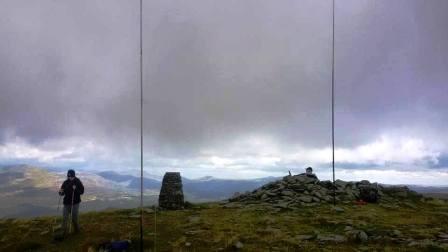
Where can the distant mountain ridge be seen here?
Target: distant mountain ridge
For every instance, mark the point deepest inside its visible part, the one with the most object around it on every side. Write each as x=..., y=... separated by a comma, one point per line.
x=31, y=191
x=207, y=188
x=24, y=186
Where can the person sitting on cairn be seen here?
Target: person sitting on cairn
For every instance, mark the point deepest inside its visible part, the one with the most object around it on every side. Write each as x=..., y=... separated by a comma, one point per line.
x=309, y=173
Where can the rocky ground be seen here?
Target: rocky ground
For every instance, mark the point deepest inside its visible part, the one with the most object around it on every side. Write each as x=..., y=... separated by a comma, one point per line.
x=276, y=217
x=253, y=227
x=302, y=191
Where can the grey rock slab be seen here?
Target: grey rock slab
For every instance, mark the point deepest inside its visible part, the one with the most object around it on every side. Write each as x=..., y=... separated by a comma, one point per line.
x=396, y=233
x=338, y=209
x=194, y=232
x=348, y=228
x=194, y=219
x=306, y=199
x=304, y=237
x=442, y=236
x=362, y=236
x=44, y=232
x=238, y=245
x=331, y=238
x=287, y=193
x=282, y=205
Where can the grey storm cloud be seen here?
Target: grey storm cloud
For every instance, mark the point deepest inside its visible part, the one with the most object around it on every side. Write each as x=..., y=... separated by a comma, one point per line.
x=391, y=66
x=215, y=71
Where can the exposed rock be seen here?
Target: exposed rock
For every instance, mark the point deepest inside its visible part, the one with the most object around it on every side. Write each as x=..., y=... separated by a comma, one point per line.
x=305, y=198
x=148, y=210
x=44, y=232
x=396, y=233
x=301, y=191
x=233, y=205
x=269, y=230
x=348, y=228
x=193, y=232
x=304, y=237
x=236, y=194
x=364, y=248
x=238, y=245
x=171, y=194
x=399, y=192
x=442, y=236
x=357, y=235
x=331, y=238
x=317, y=194
x=264, y=196
x=281, y=204
x=368, y=192
x=340, y=184
x=287, y=193
x=427, y=245
x=194, y=219
x=389, y=206
x=338, y=209
x=327, y=184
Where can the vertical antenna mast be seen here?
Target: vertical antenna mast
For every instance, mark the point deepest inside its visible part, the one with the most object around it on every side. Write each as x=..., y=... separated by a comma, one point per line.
x=332, y=108
x=141, y=125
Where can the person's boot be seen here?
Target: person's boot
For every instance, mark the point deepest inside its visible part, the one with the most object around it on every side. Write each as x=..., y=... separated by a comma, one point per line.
x=76, y=229
x=59, y=235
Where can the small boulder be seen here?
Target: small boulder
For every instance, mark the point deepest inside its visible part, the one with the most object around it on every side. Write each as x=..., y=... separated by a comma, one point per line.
x=304, y=237
x=45, y=232
x=362, y=236
x=368, y=192
x=306, y=199
x=331, y=238
x=396, y=233
x=338, y=209
x=238, y=245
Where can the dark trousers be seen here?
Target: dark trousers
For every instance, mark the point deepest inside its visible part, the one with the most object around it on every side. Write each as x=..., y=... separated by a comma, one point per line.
x=66, y=216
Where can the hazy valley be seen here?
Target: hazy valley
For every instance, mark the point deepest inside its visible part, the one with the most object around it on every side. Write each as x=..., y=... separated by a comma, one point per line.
x=32, y=191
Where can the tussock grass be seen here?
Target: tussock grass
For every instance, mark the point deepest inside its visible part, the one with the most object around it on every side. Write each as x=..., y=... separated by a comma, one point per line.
x=210, y=227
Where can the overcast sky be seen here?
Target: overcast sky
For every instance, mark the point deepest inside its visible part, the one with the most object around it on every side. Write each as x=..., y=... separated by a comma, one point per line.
x=234, y=89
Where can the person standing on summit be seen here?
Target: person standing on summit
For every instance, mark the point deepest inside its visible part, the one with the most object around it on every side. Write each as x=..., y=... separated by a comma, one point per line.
x=309, y=173
x=71, y=189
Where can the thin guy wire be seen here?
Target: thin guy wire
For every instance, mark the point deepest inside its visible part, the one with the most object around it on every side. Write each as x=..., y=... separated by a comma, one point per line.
x=332, y=109
x=141, y=126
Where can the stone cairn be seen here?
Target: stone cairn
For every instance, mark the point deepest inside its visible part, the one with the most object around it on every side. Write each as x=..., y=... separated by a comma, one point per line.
x=300, y=190
x=171, y=194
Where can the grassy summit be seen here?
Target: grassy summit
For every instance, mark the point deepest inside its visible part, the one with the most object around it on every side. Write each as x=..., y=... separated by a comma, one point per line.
x=418, y=226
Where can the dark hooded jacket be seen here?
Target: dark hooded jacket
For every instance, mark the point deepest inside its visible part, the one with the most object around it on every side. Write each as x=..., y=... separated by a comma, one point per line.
x=312, y=175
x=68, y=191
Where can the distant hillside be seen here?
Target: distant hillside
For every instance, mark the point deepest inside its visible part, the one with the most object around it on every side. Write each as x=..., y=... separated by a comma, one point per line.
x=440, y=192
x=196, y=190
x=32, y=191
x=130, y=181
x=429, y=189
x=218, y=189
